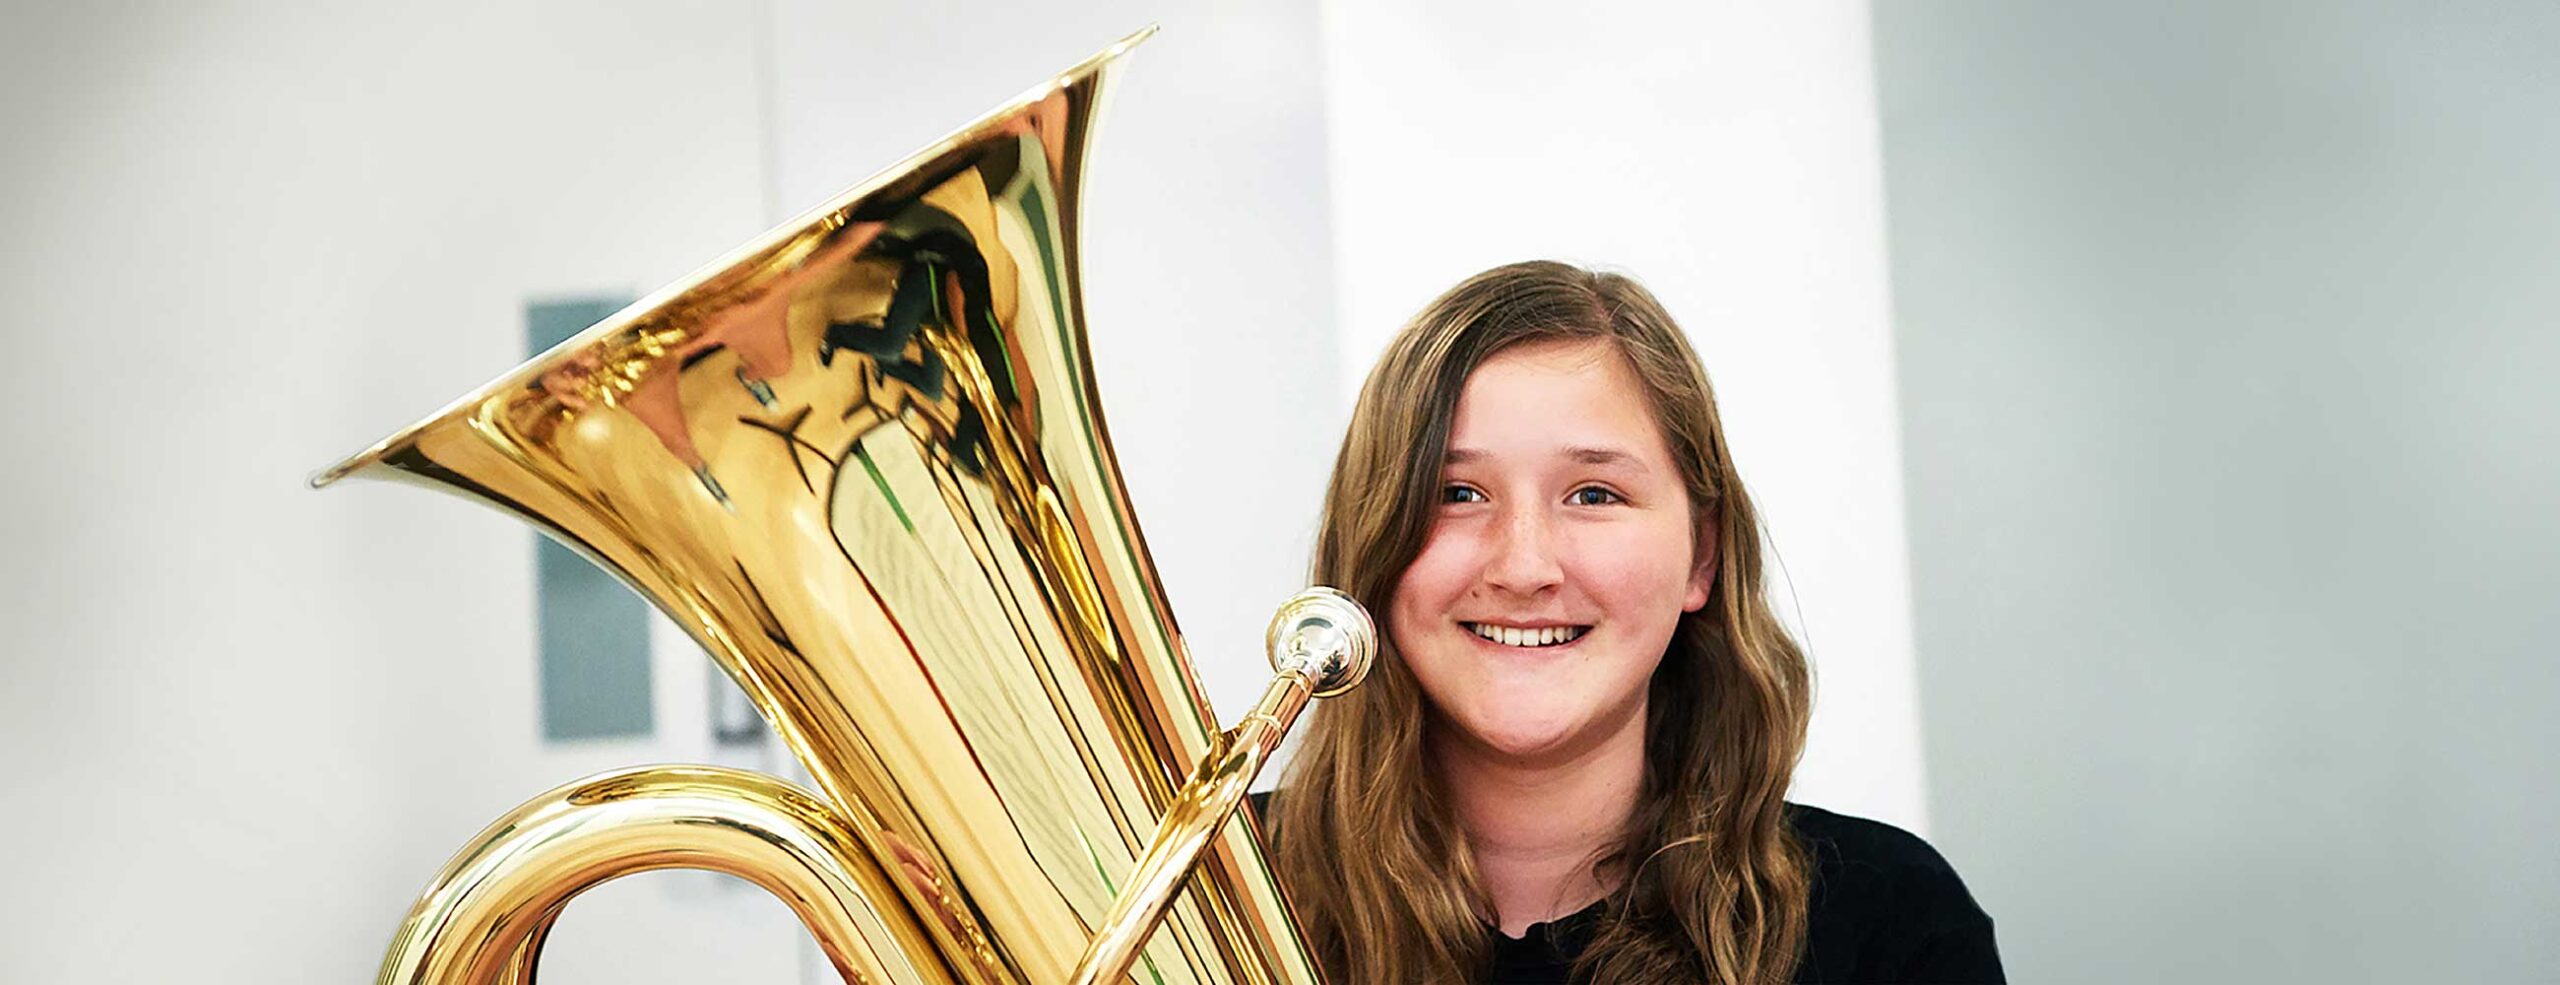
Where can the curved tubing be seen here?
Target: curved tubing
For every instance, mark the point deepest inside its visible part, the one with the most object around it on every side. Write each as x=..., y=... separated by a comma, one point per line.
x=482, y=920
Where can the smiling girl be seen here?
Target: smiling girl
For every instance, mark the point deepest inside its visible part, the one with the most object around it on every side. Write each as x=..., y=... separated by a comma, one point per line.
x=1570, y=762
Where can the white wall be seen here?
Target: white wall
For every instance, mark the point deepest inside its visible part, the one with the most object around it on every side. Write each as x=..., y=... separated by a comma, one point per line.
x=246, y=721
x=1725, y=154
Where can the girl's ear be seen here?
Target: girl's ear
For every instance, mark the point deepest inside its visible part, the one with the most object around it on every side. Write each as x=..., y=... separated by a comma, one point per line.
x=1702, y=577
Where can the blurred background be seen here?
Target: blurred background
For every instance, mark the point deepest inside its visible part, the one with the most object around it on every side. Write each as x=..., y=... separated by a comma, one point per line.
x=2154, y=406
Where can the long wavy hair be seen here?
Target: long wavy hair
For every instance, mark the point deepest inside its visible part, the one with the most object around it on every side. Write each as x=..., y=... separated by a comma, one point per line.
x=1712, y=884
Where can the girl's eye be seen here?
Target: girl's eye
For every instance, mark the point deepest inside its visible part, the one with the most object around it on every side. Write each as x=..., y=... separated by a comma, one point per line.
x=1460, y=494
x=1593, y=496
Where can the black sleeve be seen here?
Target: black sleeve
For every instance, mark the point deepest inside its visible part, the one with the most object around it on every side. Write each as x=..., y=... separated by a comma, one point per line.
x=1955, y=955
x=1943, y=938
x=1887, y=908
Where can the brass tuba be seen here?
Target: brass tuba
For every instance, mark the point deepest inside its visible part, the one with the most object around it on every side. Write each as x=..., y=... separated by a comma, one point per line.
x=862, y=461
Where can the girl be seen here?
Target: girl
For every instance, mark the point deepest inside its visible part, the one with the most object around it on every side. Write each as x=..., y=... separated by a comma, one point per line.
x=1571, y=758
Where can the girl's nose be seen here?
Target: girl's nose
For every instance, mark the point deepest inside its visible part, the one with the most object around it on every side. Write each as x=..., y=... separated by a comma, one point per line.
x=1524, y=558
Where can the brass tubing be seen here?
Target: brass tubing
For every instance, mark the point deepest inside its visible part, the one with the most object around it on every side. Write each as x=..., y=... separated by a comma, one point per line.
x=1206, y=803
x=502, y=893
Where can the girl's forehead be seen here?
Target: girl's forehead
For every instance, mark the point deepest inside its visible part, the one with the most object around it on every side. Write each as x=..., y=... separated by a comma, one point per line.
x=1550, y=379
x=1565, y=398
x=1558, y=364
x=1561, y=352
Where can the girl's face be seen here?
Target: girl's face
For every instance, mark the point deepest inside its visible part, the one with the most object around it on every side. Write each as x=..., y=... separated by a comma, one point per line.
x=1561, y=558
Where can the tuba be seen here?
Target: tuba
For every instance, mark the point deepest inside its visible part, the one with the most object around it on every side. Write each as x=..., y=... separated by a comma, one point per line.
x=862, y=461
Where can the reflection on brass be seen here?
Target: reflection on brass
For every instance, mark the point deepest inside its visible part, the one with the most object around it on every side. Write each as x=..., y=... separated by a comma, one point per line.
x=862, y=461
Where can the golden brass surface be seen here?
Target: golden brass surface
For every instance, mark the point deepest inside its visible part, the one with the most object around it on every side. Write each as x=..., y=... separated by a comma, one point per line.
x=862, y=461
x=517, y=874
x=1321, y=643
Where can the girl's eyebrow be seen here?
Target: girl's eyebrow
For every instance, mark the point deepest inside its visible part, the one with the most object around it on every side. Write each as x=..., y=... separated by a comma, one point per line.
x=1602, y=456
x=1583, y=454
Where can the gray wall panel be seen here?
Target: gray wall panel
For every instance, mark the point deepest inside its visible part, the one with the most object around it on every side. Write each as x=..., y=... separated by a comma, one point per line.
x=2228, y=367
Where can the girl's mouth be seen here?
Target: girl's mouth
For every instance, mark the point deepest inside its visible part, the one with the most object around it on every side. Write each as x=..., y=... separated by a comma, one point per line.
x=1529, y=638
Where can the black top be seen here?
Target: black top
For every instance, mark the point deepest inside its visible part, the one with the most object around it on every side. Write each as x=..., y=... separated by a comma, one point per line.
x=1886, y=907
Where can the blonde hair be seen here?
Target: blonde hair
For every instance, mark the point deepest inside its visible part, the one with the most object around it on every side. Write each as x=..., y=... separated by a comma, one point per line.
x=1366, y=842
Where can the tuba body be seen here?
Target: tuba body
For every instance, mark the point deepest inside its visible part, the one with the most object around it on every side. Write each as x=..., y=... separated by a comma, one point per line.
x=862, y=461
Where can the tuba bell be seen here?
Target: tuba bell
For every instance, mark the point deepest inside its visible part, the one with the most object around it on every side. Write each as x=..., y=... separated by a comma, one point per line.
x=862, y=461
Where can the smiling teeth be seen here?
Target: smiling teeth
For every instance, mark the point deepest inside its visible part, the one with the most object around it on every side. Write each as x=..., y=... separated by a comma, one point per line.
x=1546, y=636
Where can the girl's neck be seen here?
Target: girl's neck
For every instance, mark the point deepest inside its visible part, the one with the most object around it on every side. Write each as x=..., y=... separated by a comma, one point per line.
x=1536, y=828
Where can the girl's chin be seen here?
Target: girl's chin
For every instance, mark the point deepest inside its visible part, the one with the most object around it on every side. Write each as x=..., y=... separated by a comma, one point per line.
x=1511, y=736
x=1529, y=718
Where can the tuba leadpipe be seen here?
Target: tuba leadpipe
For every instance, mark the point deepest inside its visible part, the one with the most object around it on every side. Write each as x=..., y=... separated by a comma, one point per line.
x=862, y=461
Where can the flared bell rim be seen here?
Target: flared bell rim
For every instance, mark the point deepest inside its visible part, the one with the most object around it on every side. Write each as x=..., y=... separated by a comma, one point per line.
x=531, y=370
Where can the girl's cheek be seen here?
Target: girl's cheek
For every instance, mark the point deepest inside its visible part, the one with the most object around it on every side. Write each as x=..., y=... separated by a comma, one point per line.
x=1628, y=556
x=1448, y=550
x=1432, y=577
